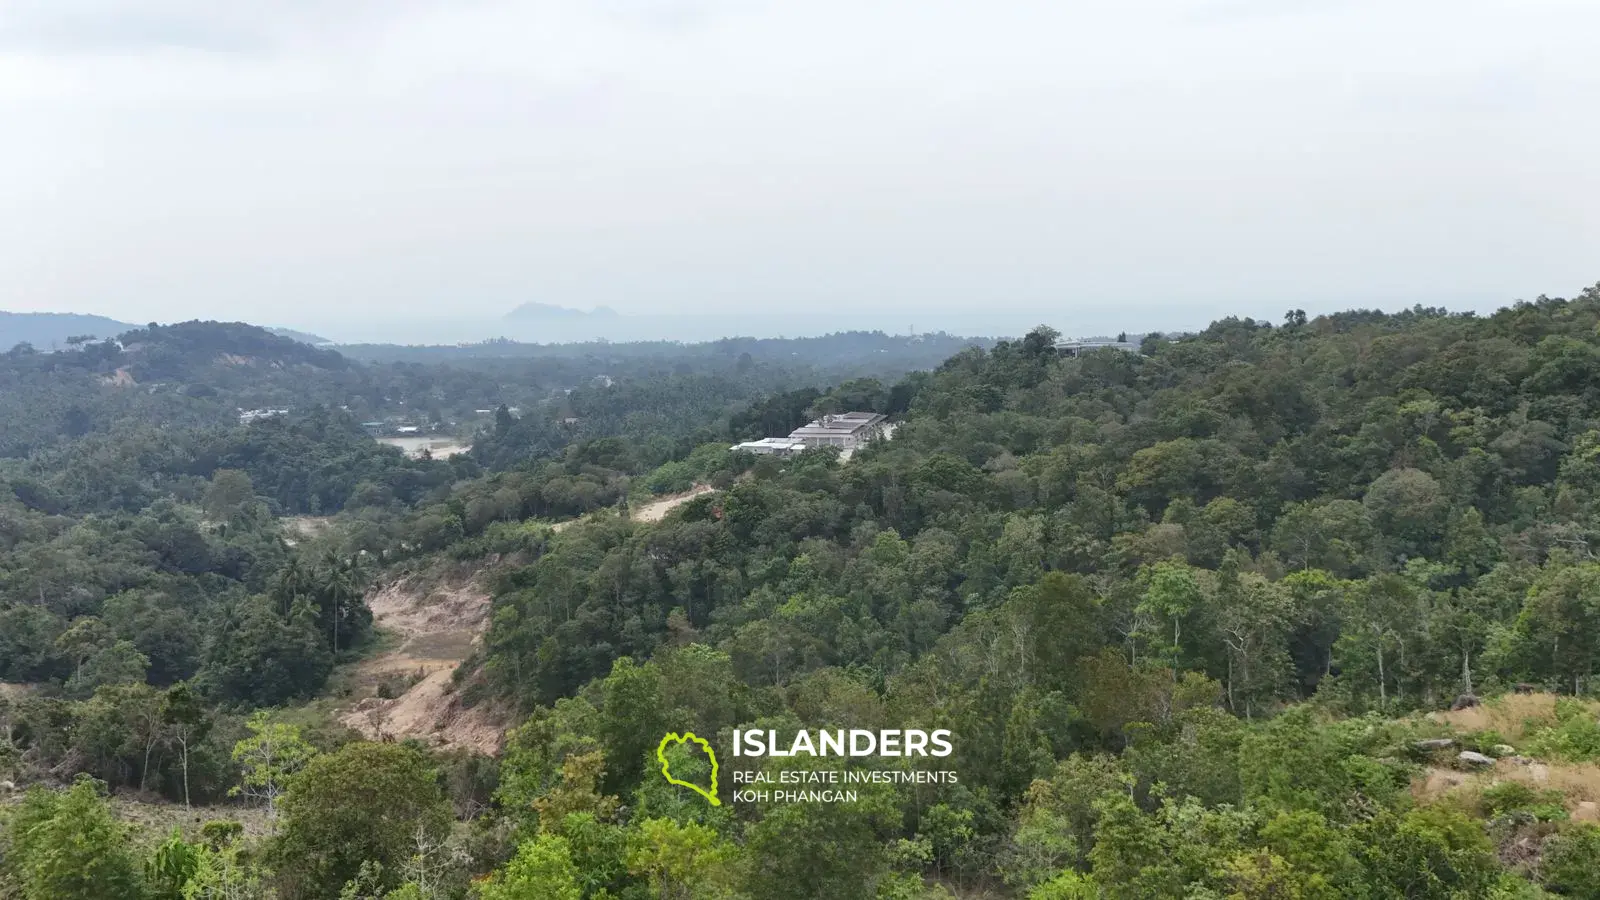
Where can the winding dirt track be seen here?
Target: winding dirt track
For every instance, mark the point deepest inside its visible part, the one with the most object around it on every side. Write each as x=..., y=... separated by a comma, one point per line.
x=655, y=512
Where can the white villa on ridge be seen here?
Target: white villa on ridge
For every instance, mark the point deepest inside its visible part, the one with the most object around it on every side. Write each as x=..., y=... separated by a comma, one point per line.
x=847, y=431
x=1075, y=348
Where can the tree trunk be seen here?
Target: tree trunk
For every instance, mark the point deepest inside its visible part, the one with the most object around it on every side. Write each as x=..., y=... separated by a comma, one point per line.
x=1399, y=690
x=1383, y=691
x=1466, y=669
x=1231, y=708
x=1175, y=652
x=1249, y=704
x=184, y=742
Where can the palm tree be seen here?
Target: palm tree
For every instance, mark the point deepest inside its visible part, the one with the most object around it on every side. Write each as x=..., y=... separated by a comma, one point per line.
x=292, y=583
x=341, y=583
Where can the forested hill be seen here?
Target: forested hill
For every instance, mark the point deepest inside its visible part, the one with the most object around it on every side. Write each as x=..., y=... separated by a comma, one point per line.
x=1194, y=618
x=203, y=374
x=189, y=374
x=1414, y=453
x=48, y=331
x=1154, y=556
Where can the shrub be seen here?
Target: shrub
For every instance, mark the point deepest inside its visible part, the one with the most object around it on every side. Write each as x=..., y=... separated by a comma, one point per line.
x=1572, y=863
x=1514, y=796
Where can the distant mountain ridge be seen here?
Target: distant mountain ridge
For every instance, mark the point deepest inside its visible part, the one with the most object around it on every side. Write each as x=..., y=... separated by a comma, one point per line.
x=48, y=331
x=546, y=312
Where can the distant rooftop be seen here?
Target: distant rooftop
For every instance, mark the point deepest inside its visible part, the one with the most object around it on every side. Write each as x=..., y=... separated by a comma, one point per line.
x=846, y=431
x=1074, y=347
x=771, y=445
x=840, y=424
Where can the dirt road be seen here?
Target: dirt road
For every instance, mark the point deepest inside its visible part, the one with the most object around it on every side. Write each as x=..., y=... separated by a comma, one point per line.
x=657, y=510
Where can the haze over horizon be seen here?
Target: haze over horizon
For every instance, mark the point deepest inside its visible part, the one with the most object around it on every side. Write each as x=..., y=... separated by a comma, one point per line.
x=414, y=170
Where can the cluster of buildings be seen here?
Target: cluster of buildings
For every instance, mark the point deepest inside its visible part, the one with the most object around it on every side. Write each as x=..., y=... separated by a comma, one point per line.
x=87, y=342
x=847, y=431
x=246, y=416
x=393, y=427
x=1076, y=347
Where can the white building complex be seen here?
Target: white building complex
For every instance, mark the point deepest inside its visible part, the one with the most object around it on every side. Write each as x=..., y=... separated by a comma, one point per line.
x=771, y=447
x=246, y=416
x=1075, y=348
x=846, y=431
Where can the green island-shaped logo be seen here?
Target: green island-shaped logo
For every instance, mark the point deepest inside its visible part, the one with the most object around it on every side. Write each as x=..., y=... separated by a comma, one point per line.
x=666, y=770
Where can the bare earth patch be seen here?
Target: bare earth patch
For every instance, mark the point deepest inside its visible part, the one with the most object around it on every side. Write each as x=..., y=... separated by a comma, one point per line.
x=656, y=511
x=439, y=619
x=120, y=378
x=16, y=690
x=651, y=512
x=419, y=605
x=306, y=527
x=437, y=447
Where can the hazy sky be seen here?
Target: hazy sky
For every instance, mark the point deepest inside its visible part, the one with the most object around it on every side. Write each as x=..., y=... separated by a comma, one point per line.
x=295, y=161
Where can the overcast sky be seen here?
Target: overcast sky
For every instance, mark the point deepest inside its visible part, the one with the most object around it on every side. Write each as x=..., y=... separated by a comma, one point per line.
x=290, y=161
